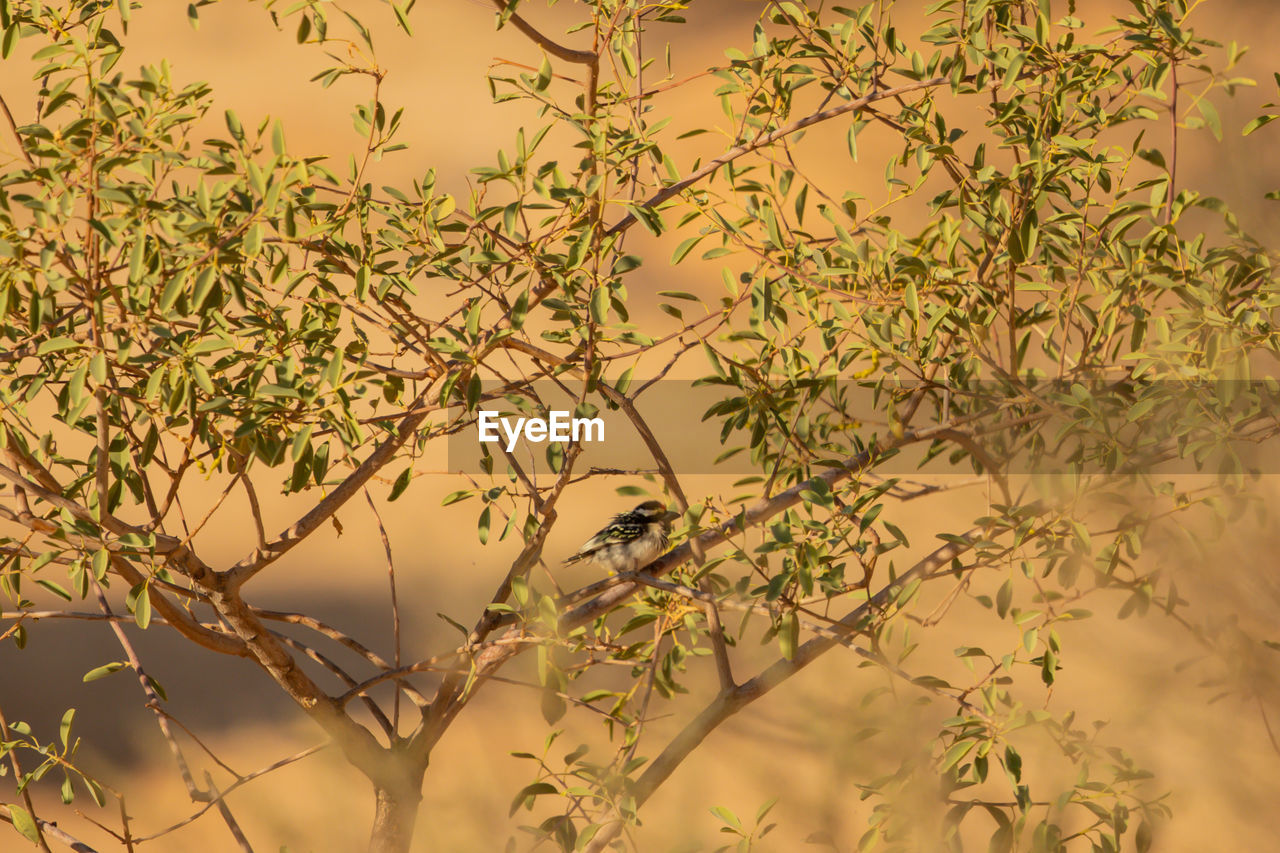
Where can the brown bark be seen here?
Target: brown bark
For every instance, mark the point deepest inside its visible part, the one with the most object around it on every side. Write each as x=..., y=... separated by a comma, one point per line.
x=394, y=818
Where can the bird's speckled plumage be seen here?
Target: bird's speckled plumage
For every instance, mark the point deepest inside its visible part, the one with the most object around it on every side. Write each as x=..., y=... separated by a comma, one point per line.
x=631, y=540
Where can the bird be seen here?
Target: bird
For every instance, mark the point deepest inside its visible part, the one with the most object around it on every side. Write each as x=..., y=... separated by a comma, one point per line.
x=633, y=539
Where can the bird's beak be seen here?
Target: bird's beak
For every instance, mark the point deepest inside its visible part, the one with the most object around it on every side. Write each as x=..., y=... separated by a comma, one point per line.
x=670, y=515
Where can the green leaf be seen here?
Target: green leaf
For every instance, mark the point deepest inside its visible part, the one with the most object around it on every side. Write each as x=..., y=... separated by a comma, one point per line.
x=544, y=74
x=788, y=634
x=159, y=688
x=23, y=822
x=1013, y=764
x=727, y=817
x=64, y=728
x=482, y=526
x=526, y=795
x=1004, y=598
x=1211, y=118
x=956, y=752
x=1048, y=667
x=684, y=249
x=173, y=289
x=401, y=483
x=233, y=124
x=57, y=345
x=473, y=318
x=201, y=375
x=269, y=390
x=600, y=304
x=1142, y=838
x=12, y=33
x=54, y=588
x=553, y=706
x=100, y=559
x=104, y=670
x=142, y=607
x=1259, y=122
x=98, y=368
x=402, y=17
x=95, y=790
x=520, y=310
x=454, y=497
x=253, y=239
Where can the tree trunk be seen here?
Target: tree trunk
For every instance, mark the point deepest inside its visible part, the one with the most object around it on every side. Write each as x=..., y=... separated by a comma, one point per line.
x=397, y=810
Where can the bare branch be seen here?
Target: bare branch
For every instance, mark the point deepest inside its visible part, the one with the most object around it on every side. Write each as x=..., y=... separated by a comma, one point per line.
x=337, y=636
x=242, y=780
x=328, y=663
x=223, y=809
x=13, y=128
x=559, y=51
x=153, y=698
x=395, y=604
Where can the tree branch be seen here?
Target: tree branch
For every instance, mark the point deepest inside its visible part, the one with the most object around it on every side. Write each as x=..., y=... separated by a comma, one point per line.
x=240, y=780
x=50, y=829
x=171, y=547
x=13, y=127
x=324, y=510
x=729, y=702
x=568, y=54
x=765, y=139
x=180, y=618
x=18, y=781
x=493, y=656
x=153, y=698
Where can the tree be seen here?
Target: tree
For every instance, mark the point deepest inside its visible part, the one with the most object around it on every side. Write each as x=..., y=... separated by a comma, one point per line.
x=1051, y=309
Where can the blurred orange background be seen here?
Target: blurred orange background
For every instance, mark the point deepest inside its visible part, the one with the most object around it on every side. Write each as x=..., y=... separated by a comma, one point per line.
x=798, y=744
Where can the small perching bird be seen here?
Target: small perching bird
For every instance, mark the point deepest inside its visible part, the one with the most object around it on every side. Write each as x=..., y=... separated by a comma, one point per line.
x=631, y=541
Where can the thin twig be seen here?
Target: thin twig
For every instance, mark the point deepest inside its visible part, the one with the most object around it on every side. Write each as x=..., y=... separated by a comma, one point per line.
x=339, y=637
x=323, y=511
x=153, y=698
x=223, y=809
x=19, y=781
x=395, y=604
x=13, y=127
x=243, y=780
x=765, y=139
